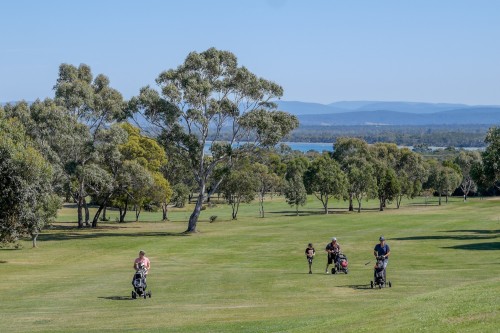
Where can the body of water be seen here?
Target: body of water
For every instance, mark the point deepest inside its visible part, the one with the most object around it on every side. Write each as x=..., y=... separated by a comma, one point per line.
x=324, y=146
x=300, y=146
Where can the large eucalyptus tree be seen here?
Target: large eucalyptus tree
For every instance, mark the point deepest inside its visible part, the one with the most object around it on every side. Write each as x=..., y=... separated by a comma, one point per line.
x=93, y=104
x=205, y=96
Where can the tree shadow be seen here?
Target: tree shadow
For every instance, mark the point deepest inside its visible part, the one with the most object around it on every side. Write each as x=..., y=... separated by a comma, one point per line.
x=117, y=298
x=292, y=213
x=477, y=231
x=472, y=234
x=357, y=286
x=61, y=227
x=476, y=246
x=461, y=237
x=3, y=262
x=91, y=234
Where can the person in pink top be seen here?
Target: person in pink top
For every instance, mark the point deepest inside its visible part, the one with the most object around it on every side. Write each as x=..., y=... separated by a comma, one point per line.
x=142, y=260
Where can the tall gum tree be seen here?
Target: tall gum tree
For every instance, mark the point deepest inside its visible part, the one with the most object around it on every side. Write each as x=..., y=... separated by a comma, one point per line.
x=93, y=104
x=205, y=96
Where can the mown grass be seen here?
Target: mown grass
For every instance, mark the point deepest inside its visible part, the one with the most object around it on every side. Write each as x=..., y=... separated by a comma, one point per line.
x=250, y=275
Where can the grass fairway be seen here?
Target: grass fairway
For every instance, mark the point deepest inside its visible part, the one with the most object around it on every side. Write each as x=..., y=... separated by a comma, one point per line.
x=250, y=275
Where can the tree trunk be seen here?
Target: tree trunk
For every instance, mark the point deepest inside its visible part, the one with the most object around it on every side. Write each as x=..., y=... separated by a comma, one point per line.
x=439, y=199
x=261, y=207
x=351, y=208
x=193, y=219
x=164, y=209
x=382, y=205
x=325, y=207
x=87, y=213
x=446, y=197
x=359, y=206
x=235, y=211
x=79, y=203
x=33, y=238
x=123, y=212
x=97, y=214
x=80, y=214
x=137, y=213
x=104, y=211
x=399, y=198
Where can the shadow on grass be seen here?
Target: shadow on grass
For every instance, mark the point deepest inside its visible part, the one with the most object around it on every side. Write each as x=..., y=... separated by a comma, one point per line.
x=435, y=237
x=90, y=233
x=357, y=286
x=478, y=231
x=307, y=213
x=3, y=262
x=473, y=234
x=476, y=246
x=117, y=298
x=58, y=227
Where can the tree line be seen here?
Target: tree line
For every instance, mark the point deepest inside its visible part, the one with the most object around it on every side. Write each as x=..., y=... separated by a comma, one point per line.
x=81, y=146
x=432, y=135
x=357, y=171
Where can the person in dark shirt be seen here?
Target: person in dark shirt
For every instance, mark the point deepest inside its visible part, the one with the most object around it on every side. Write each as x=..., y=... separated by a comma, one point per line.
x=382, y=249
x=332, y=249
x=310, y=252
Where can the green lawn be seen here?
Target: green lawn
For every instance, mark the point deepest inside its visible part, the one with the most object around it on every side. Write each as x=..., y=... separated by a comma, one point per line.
x=250, y=275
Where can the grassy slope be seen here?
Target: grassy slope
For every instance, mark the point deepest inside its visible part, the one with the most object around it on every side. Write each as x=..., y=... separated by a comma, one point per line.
x=250, y=275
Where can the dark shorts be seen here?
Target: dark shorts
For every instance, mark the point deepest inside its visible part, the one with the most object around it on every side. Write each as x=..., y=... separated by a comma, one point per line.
x=309, y=259
x=332, y=258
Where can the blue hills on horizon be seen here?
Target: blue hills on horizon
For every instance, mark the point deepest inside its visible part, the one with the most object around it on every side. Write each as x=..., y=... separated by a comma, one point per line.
x=379, y=113
x=348, y=113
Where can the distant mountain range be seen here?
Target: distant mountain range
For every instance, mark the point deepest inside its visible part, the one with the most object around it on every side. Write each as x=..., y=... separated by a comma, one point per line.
x=351, y=113
x=390, y=113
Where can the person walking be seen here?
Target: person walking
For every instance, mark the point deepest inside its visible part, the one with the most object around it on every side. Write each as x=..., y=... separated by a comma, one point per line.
x=310, y=252
x=332, y=249
x=382, y=249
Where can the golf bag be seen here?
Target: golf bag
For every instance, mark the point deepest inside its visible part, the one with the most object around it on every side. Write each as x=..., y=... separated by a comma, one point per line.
x=379, y=274
x=340, y=264
x=139, y=283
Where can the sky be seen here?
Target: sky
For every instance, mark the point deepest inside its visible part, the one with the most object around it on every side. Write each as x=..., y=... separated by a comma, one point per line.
x=323, y=51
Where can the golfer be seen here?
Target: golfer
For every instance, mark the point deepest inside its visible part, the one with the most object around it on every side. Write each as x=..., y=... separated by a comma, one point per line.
x=142, y=259
x=382, y=249
x=332, y=249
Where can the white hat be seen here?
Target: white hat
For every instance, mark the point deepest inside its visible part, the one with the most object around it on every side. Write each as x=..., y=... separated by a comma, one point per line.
x=334, y=239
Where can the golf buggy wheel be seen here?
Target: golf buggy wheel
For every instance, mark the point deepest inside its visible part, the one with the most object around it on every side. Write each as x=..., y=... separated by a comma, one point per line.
x=149, y=294
x=380, y=286
x=134, y=295
x=334, y=271
x=346, y=271
x=390, y=284
x=371, y=284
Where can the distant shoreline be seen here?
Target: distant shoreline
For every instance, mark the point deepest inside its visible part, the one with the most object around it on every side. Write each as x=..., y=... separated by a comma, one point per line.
x=323, y=146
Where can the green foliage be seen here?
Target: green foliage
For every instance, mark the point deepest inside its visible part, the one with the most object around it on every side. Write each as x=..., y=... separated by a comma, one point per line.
x=491, y=157
x=419, y=137
x=207, y=92
x=180, y=195
x=295, y=192
x=27, y=203
x=146, y=151
x=238, y=187
x=465, y=160
x=325, y=180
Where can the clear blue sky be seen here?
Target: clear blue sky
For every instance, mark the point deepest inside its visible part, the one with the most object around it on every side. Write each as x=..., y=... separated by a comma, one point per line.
x=318, y=50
